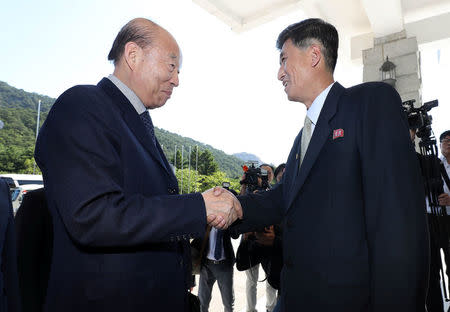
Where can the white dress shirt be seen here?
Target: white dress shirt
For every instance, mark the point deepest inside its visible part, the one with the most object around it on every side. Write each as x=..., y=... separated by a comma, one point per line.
x=314, y=110
x=212, y=246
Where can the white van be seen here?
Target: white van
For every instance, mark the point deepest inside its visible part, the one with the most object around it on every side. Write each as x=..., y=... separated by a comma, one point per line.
x=20, y=184
x=22, y=179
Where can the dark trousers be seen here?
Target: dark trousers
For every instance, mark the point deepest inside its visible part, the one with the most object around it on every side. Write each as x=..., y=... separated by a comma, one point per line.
x=223, y=273
x=439, y=229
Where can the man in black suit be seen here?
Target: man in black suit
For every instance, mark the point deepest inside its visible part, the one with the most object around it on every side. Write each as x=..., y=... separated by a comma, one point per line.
x=217, y=265
x=34, y=230
x=350, y=201
x=9, y=283
x=121, y=232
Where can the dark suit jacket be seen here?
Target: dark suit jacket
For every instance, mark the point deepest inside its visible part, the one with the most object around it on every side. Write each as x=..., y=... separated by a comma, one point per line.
x=34, y=230
x=120, y=231
x=355, y=235
x=9, y=284
x=227, y=247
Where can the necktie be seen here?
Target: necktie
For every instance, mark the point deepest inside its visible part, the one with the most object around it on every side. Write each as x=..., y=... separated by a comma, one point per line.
x=145, y=117
x=306, y=137
x=218, y=247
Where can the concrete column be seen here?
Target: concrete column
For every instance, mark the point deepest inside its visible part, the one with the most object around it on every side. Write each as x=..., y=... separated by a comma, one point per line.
x=404, y=53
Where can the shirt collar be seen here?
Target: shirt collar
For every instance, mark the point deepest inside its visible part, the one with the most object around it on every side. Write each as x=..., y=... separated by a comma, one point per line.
x=313, y=111
x=129, y=94
x=444, y=161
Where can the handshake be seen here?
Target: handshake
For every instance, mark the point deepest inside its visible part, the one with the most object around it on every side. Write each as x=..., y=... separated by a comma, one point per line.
x=222, y=207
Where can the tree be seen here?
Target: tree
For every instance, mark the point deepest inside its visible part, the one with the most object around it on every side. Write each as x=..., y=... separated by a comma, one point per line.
x=206, y=163
x=188, y=181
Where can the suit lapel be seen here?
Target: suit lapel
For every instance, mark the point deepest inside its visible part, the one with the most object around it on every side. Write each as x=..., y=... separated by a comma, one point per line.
x=133, y=121
x=320, y=135
x=165, y=162
x=292, y=163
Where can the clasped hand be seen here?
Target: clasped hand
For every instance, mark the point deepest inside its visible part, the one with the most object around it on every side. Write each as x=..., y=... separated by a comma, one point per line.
x=222, y=207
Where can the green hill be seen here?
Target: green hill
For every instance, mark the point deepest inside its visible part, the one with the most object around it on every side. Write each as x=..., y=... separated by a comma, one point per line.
x=11, y=97
x=18, y=111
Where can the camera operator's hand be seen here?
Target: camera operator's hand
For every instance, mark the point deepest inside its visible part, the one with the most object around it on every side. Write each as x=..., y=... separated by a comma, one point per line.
x=267, y=237
x=222, y=207
x=444, y=199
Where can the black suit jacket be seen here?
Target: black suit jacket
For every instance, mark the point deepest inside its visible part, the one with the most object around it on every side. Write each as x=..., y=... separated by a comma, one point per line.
x=120, y=231
x=227, y=247
x=355, y=235
x=9, y=284
x=34, y=230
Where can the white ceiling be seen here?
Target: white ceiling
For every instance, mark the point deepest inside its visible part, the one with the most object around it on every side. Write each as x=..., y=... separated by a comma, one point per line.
x=358, y=21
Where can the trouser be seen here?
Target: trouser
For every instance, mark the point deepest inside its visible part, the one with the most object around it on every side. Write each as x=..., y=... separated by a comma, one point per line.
x=223, y=273
x=252, y=279
x=438, y=228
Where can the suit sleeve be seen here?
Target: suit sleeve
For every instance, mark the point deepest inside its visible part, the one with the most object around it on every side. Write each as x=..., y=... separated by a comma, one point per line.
x=394, y=203
x=259, y=210
x=79, y=152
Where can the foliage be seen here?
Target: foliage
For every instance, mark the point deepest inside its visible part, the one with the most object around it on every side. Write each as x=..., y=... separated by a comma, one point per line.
x=231, y=165
x=16, y=98
x=206, y=163
x=17, y=140
x=190, y=181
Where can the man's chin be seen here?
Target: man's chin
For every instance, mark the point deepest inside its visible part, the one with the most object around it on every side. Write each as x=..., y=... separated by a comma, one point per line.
x=157, y=104
x=292, y=98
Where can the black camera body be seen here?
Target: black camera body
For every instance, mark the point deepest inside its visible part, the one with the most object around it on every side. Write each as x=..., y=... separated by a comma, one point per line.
x=418, y=117
x=252, y=174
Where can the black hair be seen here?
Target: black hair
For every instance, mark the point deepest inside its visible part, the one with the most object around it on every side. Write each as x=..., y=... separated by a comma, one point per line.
x=279, y=169
x=305, y=32
x=133, y=31
x=267, y=165
x=443, y=135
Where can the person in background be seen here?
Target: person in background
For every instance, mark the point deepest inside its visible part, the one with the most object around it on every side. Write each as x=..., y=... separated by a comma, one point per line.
x=9, y=283
x=265, y=240
x=34, y=230
x=279, y=172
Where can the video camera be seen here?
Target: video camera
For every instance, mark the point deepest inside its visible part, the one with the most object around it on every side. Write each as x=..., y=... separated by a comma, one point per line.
x=252, y=174
x=418, y=117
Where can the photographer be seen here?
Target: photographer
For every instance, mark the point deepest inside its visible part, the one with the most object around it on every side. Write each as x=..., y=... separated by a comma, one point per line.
x=435, y=173
x=439, y=232
x=259, y=180
x=444, y=199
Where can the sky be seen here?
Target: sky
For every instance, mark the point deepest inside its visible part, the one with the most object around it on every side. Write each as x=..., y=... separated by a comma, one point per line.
x=229, y=96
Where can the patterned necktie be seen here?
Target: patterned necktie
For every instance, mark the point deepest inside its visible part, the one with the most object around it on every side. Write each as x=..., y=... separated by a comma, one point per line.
x=218, y=247
x=306, y=137
x=145, y=117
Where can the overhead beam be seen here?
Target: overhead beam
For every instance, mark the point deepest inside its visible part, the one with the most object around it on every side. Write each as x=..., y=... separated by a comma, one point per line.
x=426, y=30
x=385, y=16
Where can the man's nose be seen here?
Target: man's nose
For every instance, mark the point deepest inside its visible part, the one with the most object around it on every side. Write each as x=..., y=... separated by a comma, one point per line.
x=281, y=73
x=174, y=80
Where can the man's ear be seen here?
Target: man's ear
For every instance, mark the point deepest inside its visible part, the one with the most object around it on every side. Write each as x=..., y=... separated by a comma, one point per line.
x=131, y=54
x=316, y=55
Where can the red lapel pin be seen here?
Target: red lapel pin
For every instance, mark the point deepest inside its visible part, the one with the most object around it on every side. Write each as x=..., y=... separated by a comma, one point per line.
x=338, y=133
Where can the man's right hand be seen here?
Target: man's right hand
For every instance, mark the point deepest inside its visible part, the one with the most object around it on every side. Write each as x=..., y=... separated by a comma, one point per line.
x=444, y=199
x=222, y=207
